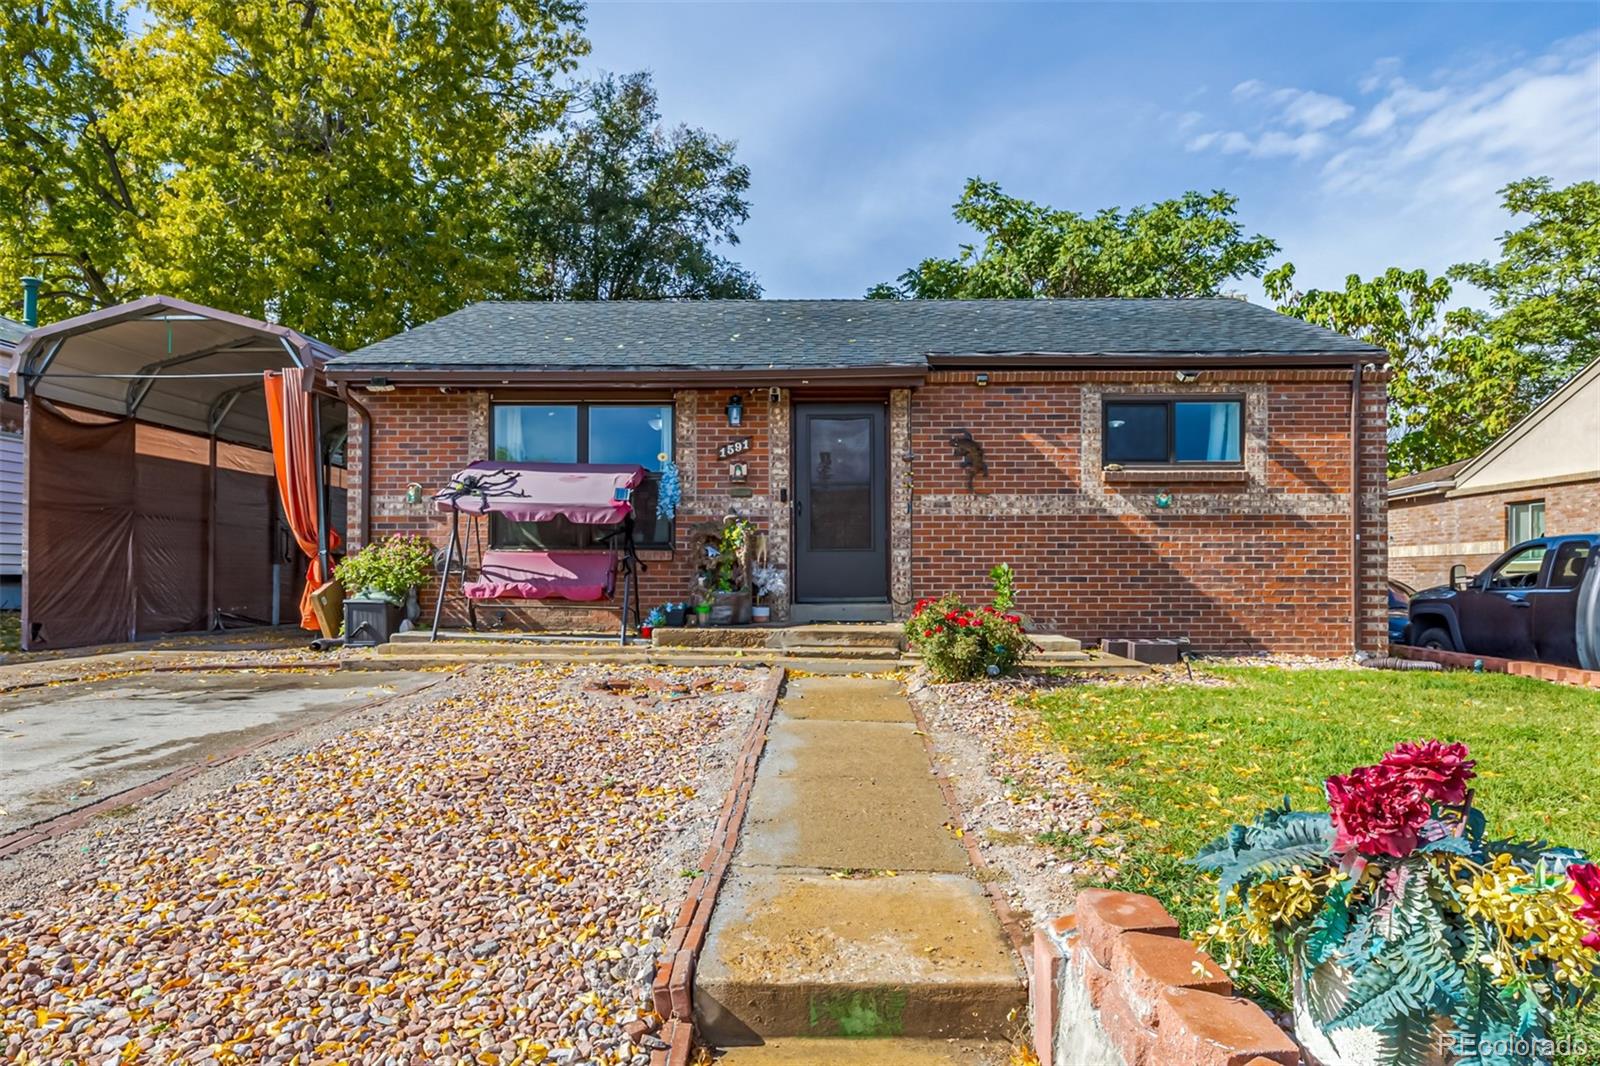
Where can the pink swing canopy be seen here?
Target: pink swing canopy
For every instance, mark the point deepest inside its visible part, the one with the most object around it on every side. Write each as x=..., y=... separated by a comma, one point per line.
x=588, y=494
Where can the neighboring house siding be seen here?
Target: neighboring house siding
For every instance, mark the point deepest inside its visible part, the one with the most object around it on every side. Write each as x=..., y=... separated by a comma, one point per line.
x=1259, y=561
x=10, y=504
x=1429, y=534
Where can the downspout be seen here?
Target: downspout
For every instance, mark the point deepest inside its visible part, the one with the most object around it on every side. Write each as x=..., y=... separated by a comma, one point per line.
x=368, y=429
x=1355, y=507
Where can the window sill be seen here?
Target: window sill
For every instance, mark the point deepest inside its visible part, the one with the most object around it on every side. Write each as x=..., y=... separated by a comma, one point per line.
x=649, y=555
x=1174, y=474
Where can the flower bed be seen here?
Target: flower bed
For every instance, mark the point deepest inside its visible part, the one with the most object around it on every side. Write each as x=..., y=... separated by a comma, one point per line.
x=961, y=643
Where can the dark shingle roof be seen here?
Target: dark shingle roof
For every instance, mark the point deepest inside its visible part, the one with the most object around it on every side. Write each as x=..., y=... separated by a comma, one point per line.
x=819, y=334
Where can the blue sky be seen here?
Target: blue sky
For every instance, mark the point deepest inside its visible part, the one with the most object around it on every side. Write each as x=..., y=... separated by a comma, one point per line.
x=1359, y=136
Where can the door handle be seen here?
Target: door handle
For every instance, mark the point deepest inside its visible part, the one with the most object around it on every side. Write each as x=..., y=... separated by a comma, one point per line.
x=797, y=505
x=1518, y=601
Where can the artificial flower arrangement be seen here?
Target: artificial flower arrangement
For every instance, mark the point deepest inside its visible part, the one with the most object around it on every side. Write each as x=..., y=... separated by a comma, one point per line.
x=1405, y=927
x=961, y=643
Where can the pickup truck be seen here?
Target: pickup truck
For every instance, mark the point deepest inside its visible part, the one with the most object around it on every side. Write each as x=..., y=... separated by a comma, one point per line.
x=1540, y=601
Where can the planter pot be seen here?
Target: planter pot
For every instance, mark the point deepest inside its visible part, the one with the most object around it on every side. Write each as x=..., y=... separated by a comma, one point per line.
x=1319, y=994
x=370, y=622
x=646, y=631
x=730, y=608
x=702, y=615
x=760, y=612
x=675, y=617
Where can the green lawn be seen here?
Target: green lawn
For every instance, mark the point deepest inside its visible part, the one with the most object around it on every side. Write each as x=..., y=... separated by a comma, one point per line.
x=1177, y=763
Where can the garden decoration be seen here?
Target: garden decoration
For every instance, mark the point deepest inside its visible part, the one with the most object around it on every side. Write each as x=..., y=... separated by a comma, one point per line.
x=723, y=577
x=971, y=455
x=770, y=582
x=959, y=643
x=670, y=492
x=391, y=568
x=1411, y=936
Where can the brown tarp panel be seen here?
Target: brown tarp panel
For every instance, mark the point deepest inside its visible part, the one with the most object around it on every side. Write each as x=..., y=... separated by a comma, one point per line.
x=171, y=510
x=118, y=517
x=80, y=481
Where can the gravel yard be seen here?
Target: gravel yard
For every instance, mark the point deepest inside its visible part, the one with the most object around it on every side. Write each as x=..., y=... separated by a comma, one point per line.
x=481, y=874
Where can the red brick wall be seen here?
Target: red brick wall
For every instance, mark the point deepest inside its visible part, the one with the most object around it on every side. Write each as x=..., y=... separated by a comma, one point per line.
x=1258, y=563
x=1261, y=563
x=1446, y=530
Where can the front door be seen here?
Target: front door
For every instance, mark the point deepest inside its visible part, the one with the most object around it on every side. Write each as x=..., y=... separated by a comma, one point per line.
x=841, y=508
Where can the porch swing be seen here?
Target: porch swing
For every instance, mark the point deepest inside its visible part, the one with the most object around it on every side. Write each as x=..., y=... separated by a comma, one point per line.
x=588, y=494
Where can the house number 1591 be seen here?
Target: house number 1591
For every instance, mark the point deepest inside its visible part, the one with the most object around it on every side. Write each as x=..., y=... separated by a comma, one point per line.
x=732, y=448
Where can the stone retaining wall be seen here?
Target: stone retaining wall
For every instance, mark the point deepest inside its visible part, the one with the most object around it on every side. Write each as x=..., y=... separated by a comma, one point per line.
x=1114, y=980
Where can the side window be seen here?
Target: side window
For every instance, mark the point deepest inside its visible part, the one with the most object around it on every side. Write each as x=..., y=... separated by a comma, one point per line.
x=1524, y=521
x=1566, y=571
x=1521, y=571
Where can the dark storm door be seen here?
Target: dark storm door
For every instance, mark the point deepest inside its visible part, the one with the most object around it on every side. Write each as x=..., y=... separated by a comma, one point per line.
x=841, y=505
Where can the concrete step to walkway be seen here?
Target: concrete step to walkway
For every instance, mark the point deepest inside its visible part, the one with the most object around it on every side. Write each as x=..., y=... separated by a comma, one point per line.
x=818, y=635
x=803, y=1052
x=850, y=909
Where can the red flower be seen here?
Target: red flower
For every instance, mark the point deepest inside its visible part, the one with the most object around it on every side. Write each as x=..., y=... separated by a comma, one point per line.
x=1377, y=811
x=1585, y=878
x=927, y=632
x=1440, y=771
x=989, y=610
x=938, y=629
x=951, y=616
x=1014, y=619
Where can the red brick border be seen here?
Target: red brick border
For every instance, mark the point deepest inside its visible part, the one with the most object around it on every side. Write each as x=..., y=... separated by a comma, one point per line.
x=1564, y=675
x=1010, y=921
x=672, y=992
x=1157, y=997
x=59, y=825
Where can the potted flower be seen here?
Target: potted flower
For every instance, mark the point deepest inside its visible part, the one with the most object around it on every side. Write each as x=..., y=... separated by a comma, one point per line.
x=723, y=575
x=770, y=582
x=656, y=617
x=674, y=614
x=1412, y=937
x=380, y=581
x=702, y=610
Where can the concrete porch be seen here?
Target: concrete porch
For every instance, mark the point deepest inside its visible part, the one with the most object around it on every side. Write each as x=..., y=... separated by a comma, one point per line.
x=827, y=647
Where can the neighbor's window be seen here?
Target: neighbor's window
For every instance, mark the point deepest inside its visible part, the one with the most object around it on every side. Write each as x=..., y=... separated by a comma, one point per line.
x=1524, y=521
x=584, y=433
x=1172, y=431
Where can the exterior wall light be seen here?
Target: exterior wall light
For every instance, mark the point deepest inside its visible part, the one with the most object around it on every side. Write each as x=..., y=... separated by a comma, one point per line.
x=735, y=410
x=1188, y=375
x=982, y=380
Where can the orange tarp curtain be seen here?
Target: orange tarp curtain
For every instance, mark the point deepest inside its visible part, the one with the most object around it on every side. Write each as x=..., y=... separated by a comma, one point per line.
x=295, y=455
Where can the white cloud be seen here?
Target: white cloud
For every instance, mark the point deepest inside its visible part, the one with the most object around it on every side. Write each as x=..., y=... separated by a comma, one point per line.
x=1246, y=89
x=1311, y=110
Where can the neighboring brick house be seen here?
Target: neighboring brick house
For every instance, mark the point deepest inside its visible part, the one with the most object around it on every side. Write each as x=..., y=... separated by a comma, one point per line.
x=1203, y=468
x=1541, y=479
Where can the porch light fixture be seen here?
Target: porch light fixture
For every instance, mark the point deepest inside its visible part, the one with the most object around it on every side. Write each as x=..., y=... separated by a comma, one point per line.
x=981, y=380
x=735, y=410
x=1188, y=375
x=379, y=385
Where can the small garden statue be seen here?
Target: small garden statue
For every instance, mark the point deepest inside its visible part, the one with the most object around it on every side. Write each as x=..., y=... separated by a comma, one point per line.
x=723, y=576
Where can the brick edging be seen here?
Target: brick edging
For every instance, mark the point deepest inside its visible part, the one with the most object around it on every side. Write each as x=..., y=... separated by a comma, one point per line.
x=1564, y=675
x=1155, y=996
x=56, y=825
x=1009, y=919
x=672, y=990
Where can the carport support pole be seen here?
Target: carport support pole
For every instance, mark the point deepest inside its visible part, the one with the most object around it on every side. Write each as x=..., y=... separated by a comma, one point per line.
x=325, y=572
x=213, y=621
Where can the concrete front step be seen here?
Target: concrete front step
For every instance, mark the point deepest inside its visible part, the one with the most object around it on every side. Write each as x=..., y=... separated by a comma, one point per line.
x=820, y=635
x=803, y=1052
x=808, y=954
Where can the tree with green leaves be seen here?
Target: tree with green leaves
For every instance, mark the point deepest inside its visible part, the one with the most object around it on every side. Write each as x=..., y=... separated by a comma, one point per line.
x=1188, y=246
x=1462, y=377
x=619, y=207
x=336, y=164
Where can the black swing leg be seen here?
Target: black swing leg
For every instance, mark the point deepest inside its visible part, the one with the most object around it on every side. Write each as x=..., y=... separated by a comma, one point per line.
x=444, y=579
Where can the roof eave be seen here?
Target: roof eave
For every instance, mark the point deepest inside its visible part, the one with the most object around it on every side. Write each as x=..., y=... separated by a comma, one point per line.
x=645, y=377
x=1094, y=360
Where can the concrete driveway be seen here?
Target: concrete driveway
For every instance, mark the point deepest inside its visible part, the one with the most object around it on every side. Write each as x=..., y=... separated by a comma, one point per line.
x=66, y=745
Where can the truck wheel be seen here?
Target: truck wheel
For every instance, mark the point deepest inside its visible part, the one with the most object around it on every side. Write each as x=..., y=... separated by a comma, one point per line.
x=1436, y=638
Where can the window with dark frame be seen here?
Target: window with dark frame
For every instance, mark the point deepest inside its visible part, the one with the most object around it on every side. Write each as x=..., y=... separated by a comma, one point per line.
x=583, y=433
x=1158, y=431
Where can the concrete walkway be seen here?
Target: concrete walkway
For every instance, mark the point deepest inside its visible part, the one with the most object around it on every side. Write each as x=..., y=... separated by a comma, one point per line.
x=850, y=910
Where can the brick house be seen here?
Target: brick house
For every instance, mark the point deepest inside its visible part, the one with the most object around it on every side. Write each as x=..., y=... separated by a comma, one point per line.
x=1541, y=479
x=1205, y=468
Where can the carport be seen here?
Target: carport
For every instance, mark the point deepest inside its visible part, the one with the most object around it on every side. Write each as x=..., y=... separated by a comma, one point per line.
x=151, y=501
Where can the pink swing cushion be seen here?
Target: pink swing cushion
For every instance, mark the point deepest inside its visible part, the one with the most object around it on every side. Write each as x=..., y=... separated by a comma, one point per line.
x=544, y=575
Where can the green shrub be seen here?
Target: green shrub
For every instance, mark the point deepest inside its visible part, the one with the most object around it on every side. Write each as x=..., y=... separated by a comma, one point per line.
x=959, y=643
x=389, y=567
